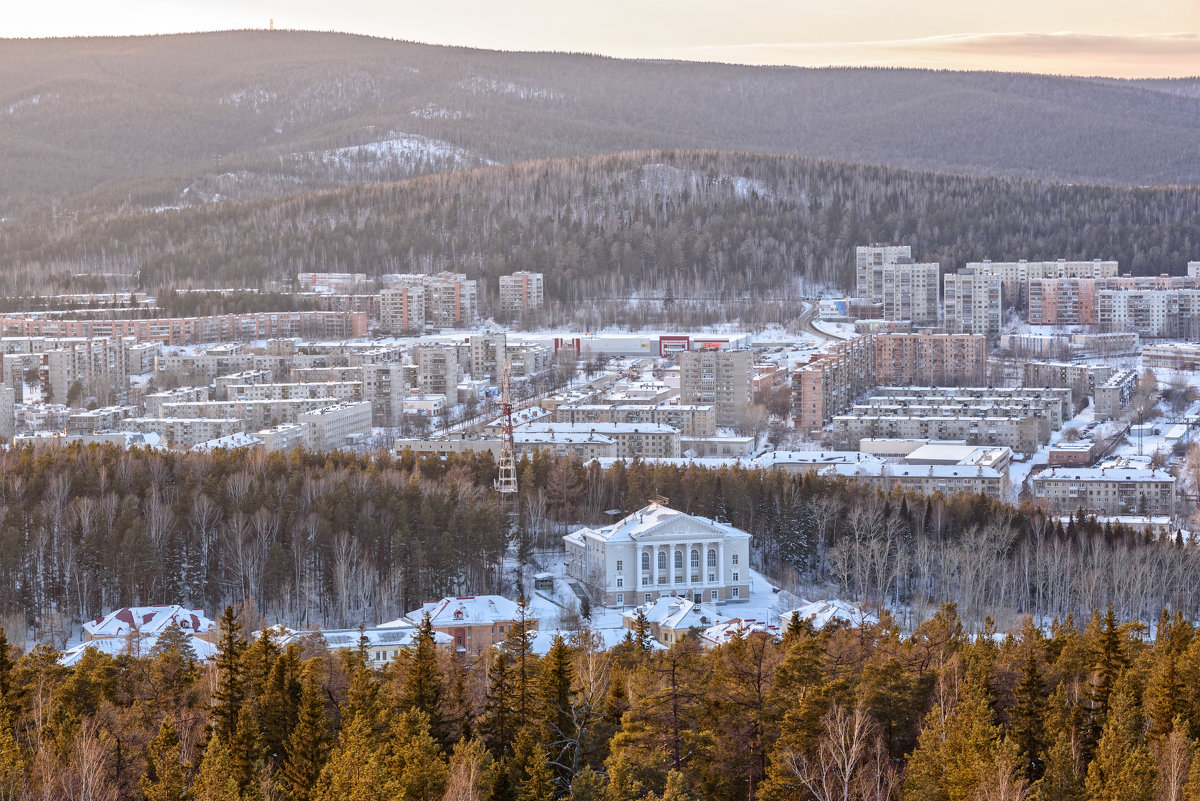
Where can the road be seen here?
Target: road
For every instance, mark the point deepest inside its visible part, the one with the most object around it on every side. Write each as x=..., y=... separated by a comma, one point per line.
x=806, y=323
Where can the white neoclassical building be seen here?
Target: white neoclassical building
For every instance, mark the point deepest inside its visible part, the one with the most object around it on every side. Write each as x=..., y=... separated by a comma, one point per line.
x=658, y=551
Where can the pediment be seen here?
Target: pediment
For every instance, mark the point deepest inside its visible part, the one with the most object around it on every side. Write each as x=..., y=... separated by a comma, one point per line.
x=680, y=526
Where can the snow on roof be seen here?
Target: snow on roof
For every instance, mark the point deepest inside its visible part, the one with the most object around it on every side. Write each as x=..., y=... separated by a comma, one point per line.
x=677, y=614
x=525, y=437
x=391, y=636
x=651, y=520
x=138, y=645
x=1103, y=474
x=469, y=610
x=148, y=620
x=821, y=613
x=601, y=428
x=607, y=637
x=230, y=442
x=724, y=632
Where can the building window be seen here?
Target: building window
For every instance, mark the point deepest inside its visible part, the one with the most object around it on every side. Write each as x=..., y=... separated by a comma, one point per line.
x=712, y=576
x=645, y=561
x=712, y=558
x=620, y=599
x=714, y=595
x=647, y=597
x=620, y=563
x=645, y=580
x=662, y=560
x=734, y=559
x=620, y=582
x=737, y=592
x=679, y=560
x=694, y=559
x=735, y=575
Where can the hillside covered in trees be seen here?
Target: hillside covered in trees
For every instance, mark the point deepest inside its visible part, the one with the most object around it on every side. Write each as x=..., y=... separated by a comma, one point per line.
x=1090, y=711
x=186, y=119
x=716, y=225
x=337, y=540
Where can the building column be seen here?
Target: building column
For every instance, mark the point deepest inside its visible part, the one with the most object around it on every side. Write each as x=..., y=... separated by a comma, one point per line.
x=721, y=563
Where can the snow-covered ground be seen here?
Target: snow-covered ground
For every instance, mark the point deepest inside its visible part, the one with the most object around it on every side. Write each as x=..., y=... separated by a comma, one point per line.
x=1019, y=471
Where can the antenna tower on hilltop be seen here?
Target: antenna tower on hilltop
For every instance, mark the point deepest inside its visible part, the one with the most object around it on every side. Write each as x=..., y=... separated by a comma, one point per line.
x=506, y=483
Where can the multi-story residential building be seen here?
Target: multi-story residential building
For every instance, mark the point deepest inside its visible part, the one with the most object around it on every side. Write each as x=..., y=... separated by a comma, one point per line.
x=108, y=418
x=829, y=384
x=691, y=420
x=1082, y=379
x=341, y=390
x=1041, y=404
x=451, y=300
x=632, y=440
x=528, y=359
x=520, y=292
x=868, y=268
x=927, y=479
x=1023, y=434
x=437, y=369
x=198, y=330
x=1059, y=398
x=254, y=414
x=154, y=401
x=910, y=292
x=488, y=353
x=284, y=437
x=1193, y=268
x=336, y=426
x=1114, y=394
x=718, y=378
x=242, y=377
x=329, y=282
x=1114, y=489
x=971, y=303
x=1153, y=313
x=1174, y=356
x=428, y=406
x=402, y=309
x=8, y=413
x=185, y=432
x=930, y=359
x=585, y=445
x=658, y=551
x=1015, y=275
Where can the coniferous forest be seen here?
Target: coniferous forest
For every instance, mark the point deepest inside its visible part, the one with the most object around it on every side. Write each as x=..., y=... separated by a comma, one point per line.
x=1090, y=710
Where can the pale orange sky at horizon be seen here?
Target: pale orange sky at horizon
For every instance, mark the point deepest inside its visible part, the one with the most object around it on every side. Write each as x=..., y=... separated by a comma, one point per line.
x=1154, y=38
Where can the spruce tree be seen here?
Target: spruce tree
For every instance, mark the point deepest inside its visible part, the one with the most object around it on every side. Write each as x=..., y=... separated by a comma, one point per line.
x=587, y=785
x=414, y=761
x=227, y=698
x=215, y=782
x=422, y=689
x=164, y=779
x=1027, y=728
x=497, y=725
x=1121, y=769
x=278, y=704
x=556, y=713
x=6, y=665
x=245, y=749
x=308, y=744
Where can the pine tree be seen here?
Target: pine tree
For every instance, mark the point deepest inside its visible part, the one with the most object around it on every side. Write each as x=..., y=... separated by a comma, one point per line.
x=308, y=744
x=12, y=765
x=498, y=722
x=230, y=692
x=622, y=785
x=245, y=749
x=164, y=779
x=414, y=762
x=1060, y=778
x=278, y=704
x=558, y=720
x=1109, y=663
x=422, y=689
x=6, y=665
x=353, y=770
x=215, y=782
x=587, y=785
x=1121, y=769
x=472, y=773
x=527, y=769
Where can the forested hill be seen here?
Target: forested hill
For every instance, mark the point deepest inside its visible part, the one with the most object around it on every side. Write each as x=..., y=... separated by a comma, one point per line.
x=713, y=224
x=292, y=110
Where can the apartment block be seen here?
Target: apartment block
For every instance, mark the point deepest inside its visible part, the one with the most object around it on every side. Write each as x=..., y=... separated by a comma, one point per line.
x=1152, y=313
x=1015, y=275
x=336, y=426
x=254, y=414
x=1082, y=379
x=1111, y=489
x=154, y=401
x=1114, y=394
x=1022, y=434
x=910, y=292
x=341, y=390
x=8, y=415
x=529, y=359
x=930, y=359
x=718, y=378
x=329, y=282
x=584, y=445
x=830, y=383
x=632, y=440
x=691, y=420
x=283, y=437
x=488, y=352
x=1193, y=268
x=1175, y=356
x=868, y=268
x=437, y=369
x=108, y=418
x=402, y=309
x=1059, y=397
x=198, y=330
x=521, y=292
x=971, y=303
x=185, y=432
x=243, y=377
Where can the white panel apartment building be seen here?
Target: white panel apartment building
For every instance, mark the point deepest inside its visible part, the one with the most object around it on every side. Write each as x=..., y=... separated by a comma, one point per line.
x=868, y=267
x=1150, y=313
x=332, y=427
x=521, y=292
x=658, y=551
x=1015, y=275
x=437, y=369
x=910, y=292
x=1114, y=490
x=971, y=303
x=451, y=300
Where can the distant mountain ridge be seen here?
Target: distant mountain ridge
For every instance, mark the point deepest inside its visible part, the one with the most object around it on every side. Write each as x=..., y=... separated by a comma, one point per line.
x=147, y=121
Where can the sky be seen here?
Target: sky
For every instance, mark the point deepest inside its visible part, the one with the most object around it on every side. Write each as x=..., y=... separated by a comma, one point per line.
x=1118, y=38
